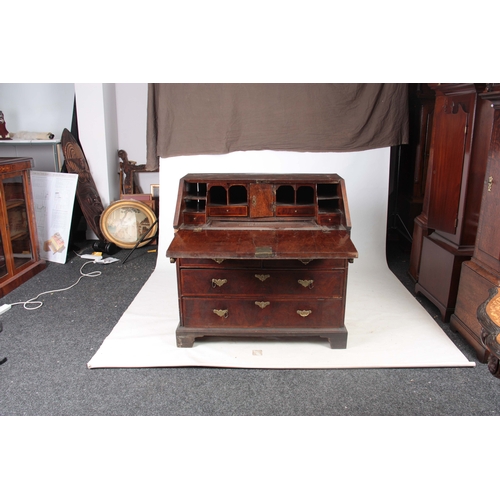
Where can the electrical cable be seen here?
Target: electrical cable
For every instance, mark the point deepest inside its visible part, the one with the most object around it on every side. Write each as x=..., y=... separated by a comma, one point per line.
x=39, y=303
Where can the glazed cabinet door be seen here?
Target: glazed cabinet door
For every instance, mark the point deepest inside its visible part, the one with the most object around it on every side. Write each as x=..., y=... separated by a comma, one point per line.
x=17, y=237
x=19, y=257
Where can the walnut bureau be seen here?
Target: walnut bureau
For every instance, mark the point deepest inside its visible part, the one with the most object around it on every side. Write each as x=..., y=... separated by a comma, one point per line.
x=262, y=255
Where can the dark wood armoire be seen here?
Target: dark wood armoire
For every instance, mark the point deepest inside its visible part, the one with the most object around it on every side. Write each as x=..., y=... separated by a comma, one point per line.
x=409, y=162
x=482, y=271
x=461, y=132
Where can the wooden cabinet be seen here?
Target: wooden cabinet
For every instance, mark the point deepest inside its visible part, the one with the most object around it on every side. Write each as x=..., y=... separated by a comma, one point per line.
x=482, y=272
x=19, y=253
x=460, y=137
x=420, y=227
x=409, y=163
x=262, y=256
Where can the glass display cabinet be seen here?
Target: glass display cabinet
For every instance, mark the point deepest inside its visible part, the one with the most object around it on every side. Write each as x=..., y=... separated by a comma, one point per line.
x=19, y=253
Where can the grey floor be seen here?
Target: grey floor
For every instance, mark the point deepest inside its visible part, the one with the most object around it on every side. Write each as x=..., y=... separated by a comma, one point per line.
x=47, y=351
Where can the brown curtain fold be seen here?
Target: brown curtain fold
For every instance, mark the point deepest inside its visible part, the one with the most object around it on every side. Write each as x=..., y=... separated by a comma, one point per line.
x=212, y=118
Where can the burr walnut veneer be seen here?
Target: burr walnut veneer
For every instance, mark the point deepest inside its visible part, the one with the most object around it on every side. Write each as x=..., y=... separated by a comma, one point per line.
x=262, y=256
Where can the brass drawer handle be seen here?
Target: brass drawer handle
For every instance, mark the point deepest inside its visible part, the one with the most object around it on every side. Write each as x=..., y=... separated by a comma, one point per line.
x=303, y=313
x=222, y=313
x=262, y=305
x=262, y=277
x=219, y=261
x=218, y=282
x=306, y=283
x=490, y=183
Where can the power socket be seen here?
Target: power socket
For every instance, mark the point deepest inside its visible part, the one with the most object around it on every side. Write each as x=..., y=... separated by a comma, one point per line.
x=91, y=257
x=4, y=308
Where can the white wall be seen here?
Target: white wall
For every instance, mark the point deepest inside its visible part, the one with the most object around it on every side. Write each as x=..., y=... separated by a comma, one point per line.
x=131, y=111
x=131, y=106
x=37, y=107
x=110, y=117
x=97, y=128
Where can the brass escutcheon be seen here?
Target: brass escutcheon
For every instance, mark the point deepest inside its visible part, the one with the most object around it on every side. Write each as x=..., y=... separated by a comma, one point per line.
x=218, y=282
x=305, y=262
x=262, y=305
x=262, y=277
x=263, y=252
x=222, y=313
x=490, y=183
x=219, y=261
x=306, y=283
x=303, y=313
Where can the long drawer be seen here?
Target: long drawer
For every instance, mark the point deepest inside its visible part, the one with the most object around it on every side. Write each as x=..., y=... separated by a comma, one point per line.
x=264, y=263
x=224, y=281
x=229, y=312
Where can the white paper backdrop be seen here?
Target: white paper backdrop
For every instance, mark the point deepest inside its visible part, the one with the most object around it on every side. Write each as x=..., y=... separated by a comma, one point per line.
x=387, y=326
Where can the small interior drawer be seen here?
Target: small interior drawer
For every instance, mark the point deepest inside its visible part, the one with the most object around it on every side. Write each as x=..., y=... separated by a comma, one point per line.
x=228, y=211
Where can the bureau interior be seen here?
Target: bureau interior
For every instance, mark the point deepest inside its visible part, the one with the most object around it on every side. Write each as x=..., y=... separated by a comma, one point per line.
x=205, y=201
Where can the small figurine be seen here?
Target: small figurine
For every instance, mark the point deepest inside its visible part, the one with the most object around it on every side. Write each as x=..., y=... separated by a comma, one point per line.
x=4, y=134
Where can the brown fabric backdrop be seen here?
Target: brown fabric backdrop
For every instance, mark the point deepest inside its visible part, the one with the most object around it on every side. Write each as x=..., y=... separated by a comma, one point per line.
x=199, y=118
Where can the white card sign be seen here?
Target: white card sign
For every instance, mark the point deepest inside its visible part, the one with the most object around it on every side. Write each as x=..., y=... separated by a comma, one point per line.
x=53, y=198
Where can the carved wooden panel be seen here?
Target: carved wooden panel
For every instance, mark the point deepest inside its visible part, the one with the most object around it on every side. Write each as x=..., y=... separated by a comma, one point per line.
x=86, y=190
